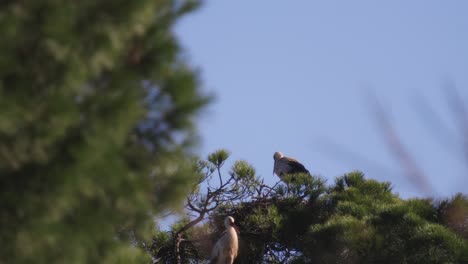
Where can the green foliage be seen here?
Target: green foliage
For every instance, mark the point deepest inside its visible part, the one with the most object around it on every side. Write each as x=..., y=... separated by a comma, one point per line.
x=453, y=213
x=162, y=245
x=218, y=157
x=243, y=170
x=97, y=119
x=302, y=220
x=303, y=185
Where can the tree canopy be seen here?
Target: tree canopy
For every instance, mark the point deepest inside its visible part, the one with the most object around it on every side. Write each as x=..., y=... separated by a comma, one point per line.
x=97, y=121
x=353, y=220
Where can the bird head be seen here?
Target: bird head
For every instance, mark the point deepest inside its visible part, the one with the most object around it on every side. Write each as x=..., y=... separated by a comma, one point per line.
x=229, y=221
x=278, y=155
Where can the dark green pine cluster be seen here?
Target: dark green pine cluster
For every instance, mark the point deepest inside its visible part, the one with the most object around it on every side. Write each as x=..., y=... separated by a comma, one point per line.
x=97, y=112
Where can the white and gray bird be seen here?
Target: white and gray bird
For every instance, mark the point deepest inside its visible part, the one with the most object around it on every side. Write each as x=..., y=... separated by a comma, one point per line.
x=285, y=165
x=225, y=250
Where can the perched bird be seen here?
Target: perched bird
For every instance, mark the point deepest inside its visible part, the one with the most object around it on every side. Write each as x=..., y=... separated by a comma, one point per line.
x=225, y=250
x=284, y=165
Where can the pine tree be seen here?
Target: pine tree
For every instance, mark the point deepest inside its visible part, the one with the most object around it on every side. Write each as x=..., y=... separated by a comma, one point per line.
x=97, y=119
x=354, y=220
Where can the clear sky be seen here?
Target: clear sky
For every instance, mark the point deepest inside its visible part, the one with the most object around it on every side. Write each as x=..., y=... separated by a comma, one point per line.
x=292, y=76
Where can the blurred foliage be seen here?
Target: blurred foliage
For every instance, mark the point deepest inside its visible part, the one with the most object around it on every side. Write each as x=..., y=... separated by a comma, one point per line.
x=97, y=121
x=353, y=220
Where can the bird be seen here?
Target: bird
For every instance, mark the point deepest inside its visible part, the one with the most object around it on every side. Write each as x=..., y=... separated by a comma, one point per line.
x=225, y=249
x=285, y=165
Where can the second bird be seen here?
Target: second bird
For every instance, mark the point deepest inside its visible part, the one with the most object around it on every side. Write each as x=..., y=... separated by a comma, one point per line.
x=225, y=250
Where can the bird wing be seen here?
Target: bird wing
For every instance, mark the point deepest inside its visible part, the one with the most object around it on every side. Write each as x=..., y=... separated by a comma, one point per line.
x=218, y=248
x=213, y=260
x=296, y=166
x=215, y=253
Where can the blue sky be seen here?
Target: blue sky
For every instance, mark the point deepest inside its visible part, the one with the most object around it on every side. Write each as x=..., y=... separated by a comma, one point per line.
x=293, y=77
